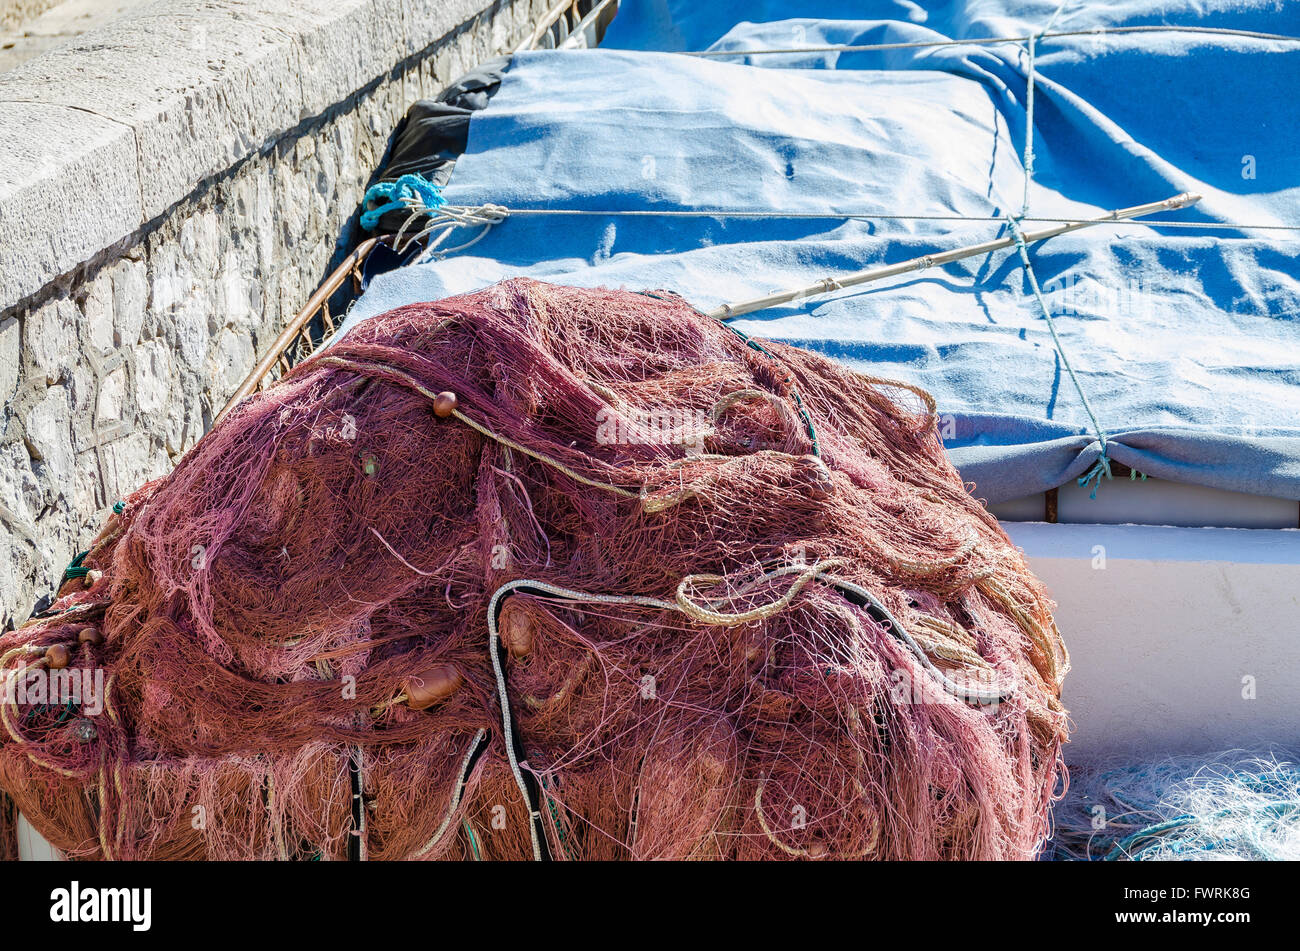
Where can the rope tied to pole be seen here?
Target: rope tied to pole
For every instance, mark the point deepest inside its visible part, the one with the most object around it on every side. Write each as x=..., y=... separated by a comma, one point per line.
x=1100, y=469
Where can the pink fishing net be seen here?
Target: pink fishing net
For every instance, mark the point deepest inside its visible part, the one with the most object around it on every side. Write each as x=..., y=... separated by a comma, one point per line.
x=548, y=572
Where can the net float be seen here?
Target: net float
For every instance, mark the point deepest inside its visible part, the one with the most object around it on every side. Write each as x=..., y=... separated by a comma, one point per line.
x=516, y=630
x=57, y=656
x=750, y=644
x=815, y=478
x=90, y=635
x=716, y=753
x=432, y=686
x=444, y=404
x=84, y=731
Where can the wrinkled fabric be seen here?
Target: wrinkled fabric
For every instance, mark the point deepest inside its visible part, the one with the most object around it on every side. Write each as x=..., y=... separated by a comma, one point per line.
x=1185, y=342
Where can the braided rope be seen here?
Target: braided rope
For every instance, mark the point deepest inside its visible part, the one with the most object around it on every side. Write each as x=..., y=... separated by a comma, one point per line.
x=382, y=371
x=683, y=604
x=457, y=791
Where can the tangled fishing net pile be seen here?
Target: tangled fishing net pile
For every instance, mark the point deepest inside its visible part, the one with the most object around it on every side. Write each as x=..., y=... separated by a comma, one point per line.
x=539, y=572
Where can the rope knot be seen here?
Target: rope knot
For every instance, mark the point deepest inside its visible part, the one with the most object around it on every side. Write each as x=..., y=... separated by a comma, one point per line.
x=1100, y=469
x=412, y=192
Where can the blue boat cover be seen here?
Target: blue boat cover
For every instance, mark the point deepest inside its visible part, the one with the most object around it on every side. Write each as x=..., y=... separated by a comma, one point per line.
x=1185, y=341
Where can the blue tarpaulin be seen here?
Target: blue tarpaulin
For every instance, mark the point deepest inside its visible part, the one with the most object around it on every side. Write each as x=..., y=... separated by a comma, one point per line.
x=1185, y=341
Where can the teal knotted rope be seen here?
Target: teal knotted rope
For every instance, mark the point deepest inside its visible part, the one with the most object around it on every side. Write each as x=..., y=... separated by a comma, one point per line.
x=1101, y=468
x=407, y=191
x=76, y=569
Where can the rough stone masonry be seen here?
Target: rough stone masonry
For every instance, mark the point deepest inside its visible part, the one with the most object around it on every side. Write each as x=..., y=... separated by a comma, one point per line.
x=111, y=371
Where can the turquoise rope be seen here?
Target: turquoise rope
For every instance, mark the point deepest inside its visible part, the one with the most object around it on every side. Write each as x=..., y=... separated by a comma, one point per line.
x=1029, y=108
x=76, y=569
x=473, y=842
x=401, y=194
x=1101, y=468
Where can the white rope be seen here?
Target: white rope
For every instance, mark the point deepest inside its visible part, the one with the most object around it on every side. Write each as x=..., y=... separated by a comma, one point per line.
x=973, y=694
x=1029, y=108
x=447, y=218
x=996, y=40
x=494, y=640
x=359, y=765
x=683, y=605
x=457, y=791
x=872, y=216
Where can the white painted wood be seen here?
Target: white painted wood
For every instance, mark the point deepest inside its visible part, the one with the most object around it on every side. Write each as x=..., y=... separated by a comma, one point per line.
x=32, y=846
x=1169, y=630
x=1156, y=502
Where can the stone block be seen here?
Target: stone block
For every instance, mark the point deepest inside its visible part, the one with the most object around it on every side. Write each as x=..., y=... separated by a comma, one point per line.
x=48, y=433
x=68, y=188
x=130, y=300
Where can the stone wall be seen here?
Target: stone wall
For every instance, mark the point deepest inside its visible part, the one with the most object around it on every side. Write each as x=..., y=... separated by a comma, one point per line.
x=29, y=28
x=111, y=369
x=14, y=12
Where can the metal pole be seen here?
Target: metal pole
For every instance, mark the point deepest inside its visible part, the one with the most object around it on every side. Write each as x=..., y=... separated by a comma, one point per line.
x=280, y=346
